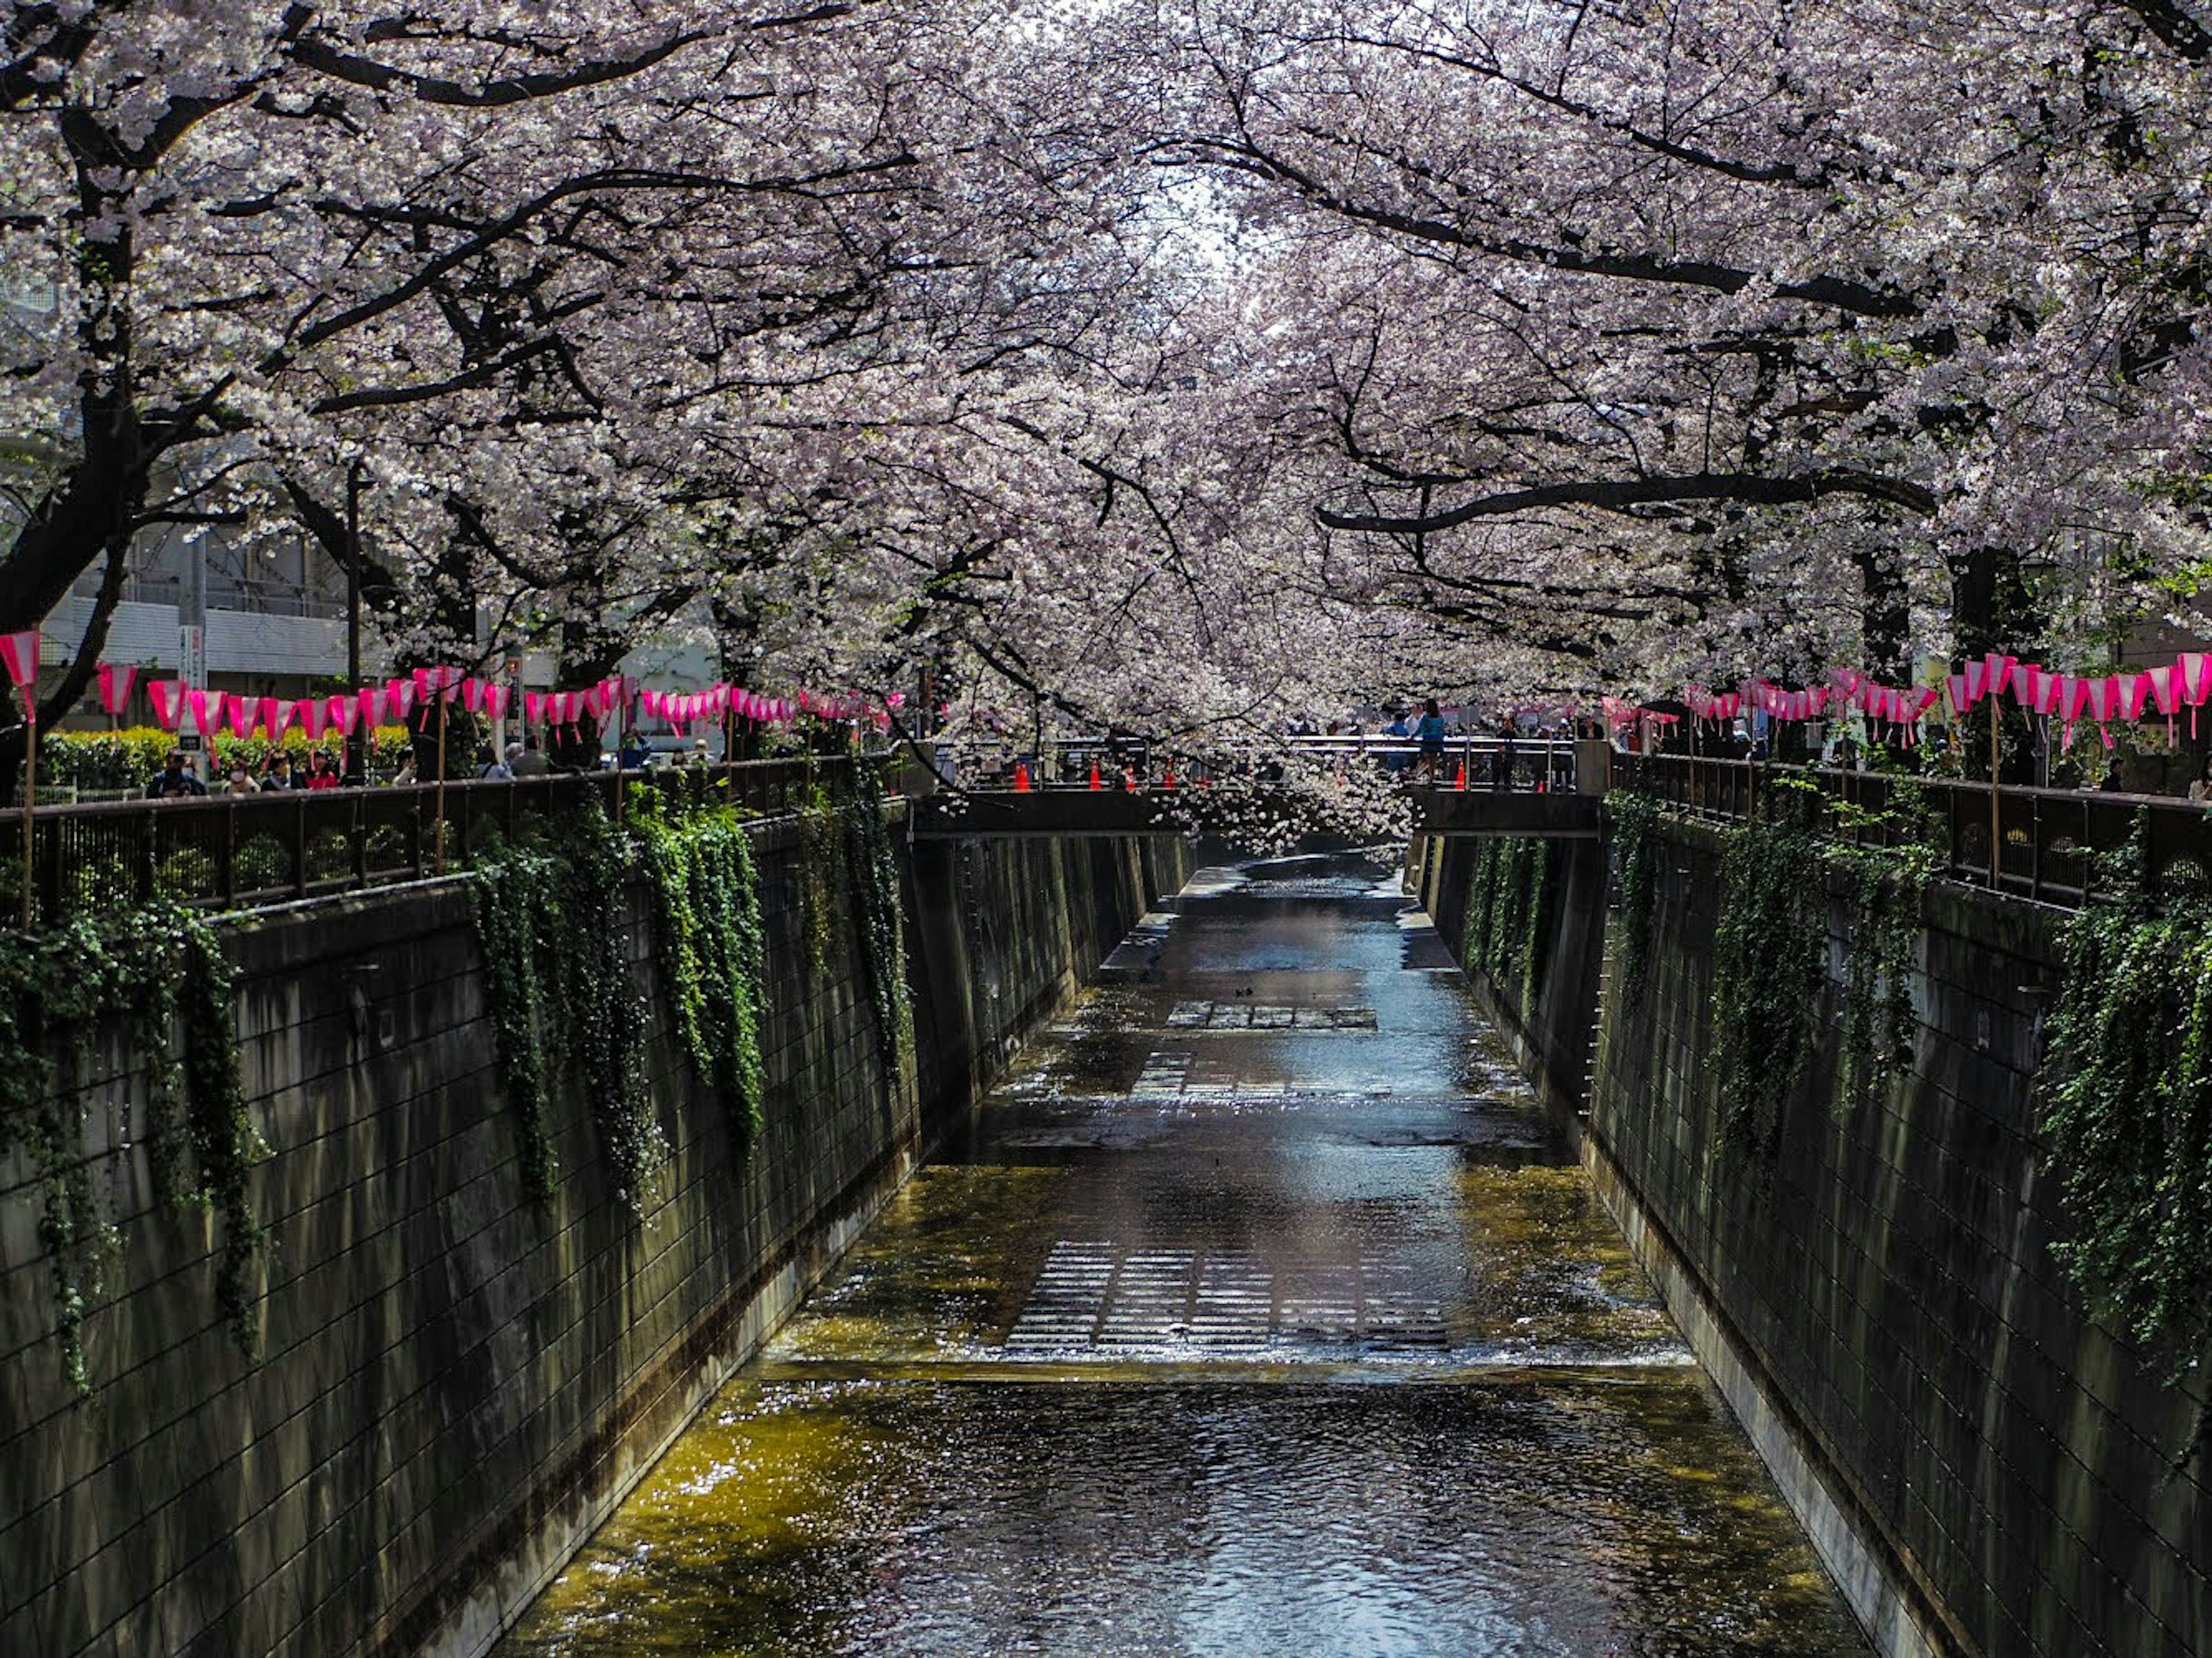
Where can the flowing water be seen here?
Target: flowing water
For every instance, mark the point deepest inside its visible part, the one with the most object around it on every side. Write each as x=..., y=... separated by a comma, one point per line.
x=1263, y=1315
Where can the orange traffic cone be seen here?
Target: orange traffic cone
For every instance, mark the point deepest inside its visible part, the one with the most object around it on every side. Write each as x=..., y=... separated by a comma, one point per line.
x=1129, y=779
x=1170, y=782
x=1463, y=774
x=1094, y=774
x=1021, y=777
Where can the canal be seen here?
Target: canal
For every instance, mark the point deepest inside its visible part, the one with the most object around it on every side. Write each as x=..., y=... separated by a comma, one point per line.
x=1263, y=1314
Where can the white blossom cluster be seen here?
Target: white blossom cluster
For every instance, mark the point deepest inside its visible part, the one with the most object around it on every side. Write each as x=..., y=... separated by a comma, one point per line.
x=1177, y=365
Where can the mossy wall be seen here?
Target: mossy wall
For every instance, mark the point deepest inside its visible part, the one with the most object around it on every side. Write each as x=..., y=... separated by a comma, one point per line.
x=1884, y=1279
x=457, y=1383
x=1534, y=958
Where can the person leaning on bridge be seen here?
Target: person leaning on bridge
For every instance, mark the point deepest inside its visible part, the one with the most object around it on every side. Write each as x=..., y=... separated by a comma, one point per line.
x=531, y=763
x=1430, y=733
x=174, y=782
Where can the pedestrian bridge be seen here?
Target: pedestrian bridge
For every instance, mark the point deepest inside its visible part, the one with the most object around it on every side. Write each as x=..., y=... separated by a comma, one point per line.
x=1060, y=813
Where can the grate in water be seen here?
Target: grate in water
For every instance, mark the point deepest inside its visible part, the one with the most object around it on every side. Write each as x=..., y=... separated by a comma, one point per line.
x=1240, y=1015
x=1090, y=1298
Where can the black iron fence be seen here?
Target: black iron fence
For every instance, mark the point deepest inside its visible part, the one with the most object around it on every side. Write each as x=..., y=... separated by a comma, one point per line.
x=231, y=852
x=2044, y=840
x=1532, y=763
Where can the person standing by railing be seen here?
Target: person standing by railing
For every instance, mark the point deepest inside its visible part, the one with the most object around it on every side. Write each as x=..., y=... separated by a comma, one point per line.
x=1431, y=735
x=1397, y=731
x=175, y=781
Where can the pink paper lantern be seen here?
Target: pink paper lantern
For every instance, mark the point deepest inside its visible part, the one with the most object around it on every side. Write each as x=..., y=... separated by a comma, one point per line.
x=115, y=686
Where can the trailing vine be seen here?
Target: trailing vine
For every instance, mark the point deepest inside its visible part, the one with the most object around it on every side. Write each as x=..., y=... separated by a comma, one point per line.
x=222, y=1135
x=2128, y=1110
x=882, y=930
x=515, y=894
x=712, y=949
x=1508, y=900
x=563, y=994
x=1770, y=955
x=145, y=968
x=1634, y=817
x=1879, y=1020
x=575, y=1000
x=820, y=847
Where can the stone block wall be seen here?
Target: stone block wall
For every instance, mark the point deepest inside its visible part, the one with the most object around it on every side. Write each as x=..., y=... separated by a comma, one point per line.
x=1988, y=1469
x=1552, y=1031
x=457, y=1383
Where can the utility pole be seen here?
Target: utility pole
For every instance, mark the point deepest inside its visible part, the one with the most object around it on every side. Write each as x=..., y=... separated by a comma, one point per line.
x=192, y=634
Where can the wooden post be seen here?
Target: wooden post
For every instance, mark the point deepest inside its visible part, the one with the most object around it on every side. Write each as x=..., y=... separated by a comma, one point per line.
x=1996, y=846
x=621, y=742
x=438, y=690
x=30, y=787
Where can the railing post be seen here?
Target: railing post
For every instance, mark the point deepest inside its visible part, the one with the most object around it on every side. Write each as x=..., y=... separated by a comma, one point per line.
x=299, y=804
x=226, y=884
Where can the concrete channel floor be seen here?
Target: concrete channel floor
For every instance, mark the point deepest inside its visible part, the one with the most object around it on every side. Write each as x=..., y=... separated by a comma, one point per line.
x=1262, y=1316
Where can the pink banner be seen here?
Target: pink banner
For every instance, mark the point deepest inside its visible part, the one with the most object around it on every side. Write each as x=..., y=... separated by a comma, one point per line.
x=398, y=699
x=20, y=651
x=2166, y=689
x=168, y=697
x=342, y=710
x=115, y=686
x=495, y=701
x=309, y=712
x=207, y=710
x=374, y=705
x=241, y=713
x=2196, y=674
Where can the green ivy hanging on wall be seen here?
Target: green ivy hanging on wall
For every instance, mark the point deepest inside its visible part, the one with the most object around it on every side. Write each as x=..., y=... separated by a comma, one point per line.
x=1633, y=818
x=882, y=929
x=161, y=972
x=546, y=915
x=1879, y=1023
x=821, y=847
x=2128, y=1110
x=713, y=950
x=516, y=927
x=1770, y=955
x=1508, y=900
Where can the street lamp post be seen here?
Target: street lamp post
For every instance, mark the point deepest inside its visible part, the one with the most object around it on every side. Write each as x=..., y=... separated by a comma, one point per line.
x=356, y=742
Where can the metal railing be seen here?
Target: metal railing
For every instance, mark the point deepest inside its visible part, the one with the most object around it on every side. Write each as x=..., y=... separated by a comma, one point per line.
x=233, y=852
x=1481, y=763
x=2046, y=840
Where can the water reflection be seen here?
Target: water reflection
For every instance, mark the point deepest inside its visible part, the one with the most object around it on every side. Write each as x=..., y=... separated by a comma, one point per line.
x=1103, y=1381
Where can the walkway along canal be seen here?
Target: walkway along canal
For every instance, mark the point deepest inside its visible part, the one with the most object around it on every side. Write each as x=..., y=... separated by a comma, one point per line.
x=1264, y=1312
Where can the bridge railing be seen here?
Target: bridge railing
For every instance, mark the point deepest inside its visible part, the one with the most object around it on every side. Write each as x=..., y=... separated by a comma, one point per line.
x=1070, y=762
x=2045, y=840
x=231, y=852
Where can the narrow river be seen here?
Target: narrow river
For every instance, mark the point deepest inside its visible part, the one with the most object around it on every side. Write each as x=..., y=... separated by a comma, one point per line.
x=1264, y=1316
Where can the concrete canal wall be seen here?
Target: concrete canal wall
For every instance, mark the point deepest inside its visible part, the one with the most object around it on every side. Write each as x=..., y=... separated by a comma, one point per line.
x=458, y=1384
x=1986, y=1468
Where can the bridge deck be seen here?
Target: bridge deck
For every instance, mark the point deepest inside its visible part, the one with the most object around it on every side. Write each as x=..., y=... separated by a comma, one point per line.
x=1061, y=813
